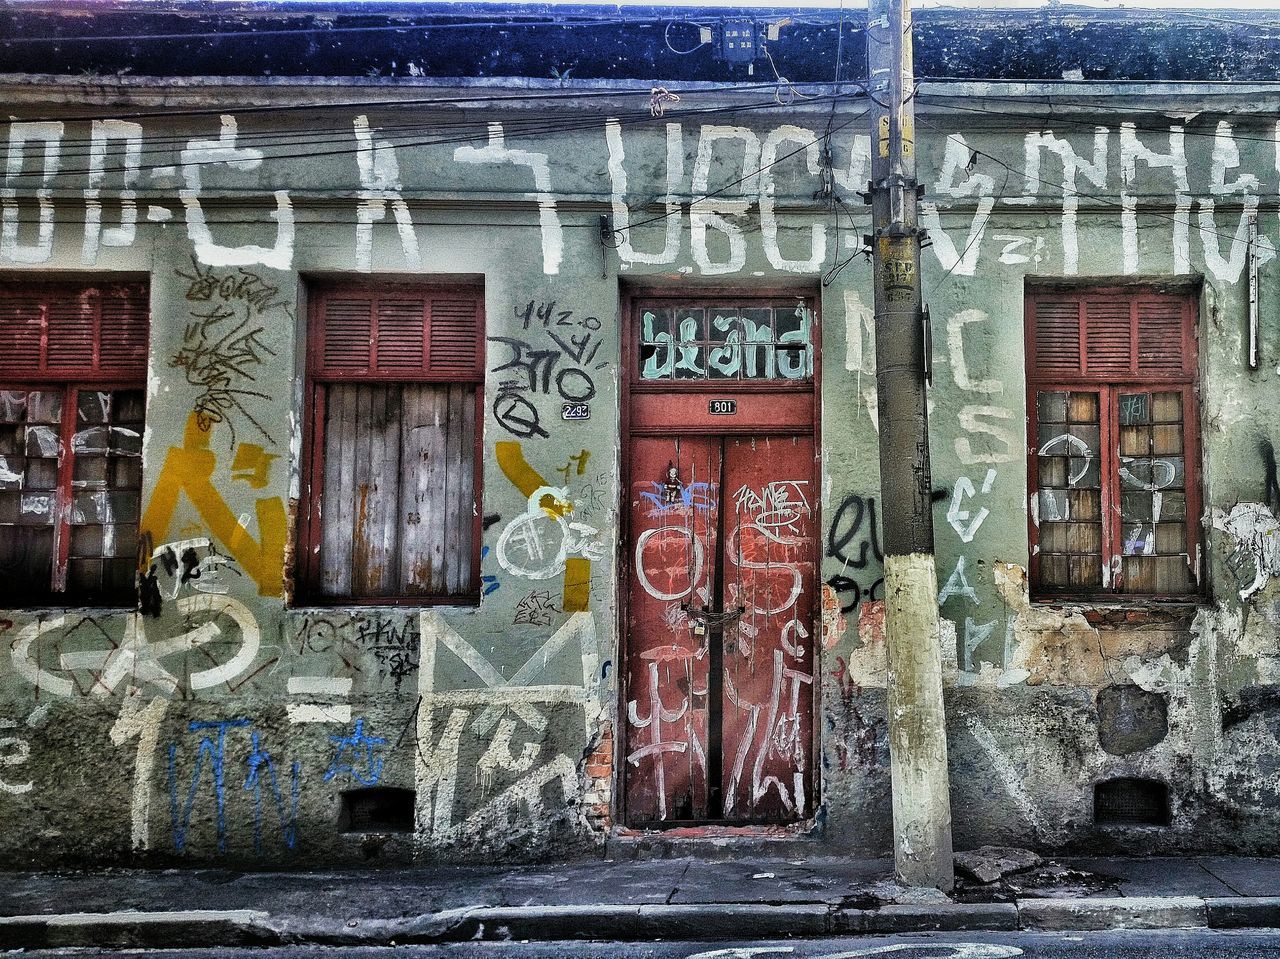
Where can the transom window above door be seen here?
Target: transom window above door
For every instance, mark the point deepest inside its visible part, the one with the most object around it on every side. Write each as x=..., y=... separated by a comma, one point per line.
x=721, y=339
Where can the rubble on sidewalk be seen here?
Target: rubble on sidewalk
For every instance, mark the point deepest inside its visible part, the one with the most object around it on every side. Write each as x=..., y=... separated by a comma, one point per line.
x=1005, y=874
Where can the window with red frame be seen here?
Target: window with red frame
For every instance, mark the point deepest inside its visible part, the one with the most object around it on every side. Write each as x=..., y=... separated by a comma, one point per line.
x=395, y=382
x=1113, y=442
x=73, y=365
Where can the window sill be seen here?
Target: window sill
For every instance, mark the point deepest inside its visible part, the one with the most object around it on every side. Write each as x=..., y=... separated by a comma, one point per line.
x=65, y=609
x=315, y=605
x=1131, y=613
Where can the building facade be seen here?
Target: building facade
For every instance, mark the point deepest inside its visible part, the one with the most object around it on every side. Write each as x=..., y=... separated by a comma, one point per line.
x=480, y=468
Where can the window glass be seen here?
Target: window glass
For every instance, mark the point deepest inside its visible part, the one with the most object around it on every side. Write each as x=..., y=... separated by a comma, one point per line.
x=726, y=342
x=72, y=364
x=1111, y=383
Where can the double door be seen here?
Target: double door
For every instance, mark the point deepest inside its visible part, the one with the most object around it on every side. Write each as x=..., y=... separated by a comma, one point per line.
x=719, y=692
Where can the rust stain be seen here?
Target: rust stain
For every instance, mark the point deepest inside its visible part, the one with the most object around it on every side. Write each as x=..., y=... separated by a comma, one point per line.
x=360, y=544
x=871, y=623
x=833, y=622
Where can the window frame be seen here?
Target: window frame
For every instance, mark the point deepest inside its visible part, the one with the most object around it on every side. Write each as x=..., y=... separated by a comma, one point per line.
x=73, y=381
x=308, y=566
x=1186, y=382
x=643, y=297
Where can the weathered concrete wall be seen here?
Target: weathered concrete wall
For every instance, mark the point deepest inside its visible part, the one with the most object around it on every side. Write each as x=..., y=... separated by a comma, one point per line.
x=227, y=726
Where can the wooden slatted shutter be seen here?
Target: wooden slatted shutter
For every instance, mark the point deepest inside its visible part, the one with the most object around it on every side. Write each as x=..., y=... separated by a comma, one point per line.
x=396, y=390
x=1108, y=334
x=74, y=330
x=455, y=337
x=408, y=335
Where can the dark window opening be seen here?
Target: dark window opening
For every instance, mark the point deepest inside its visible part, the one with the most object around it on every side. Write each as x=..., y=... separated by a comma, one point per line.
x=376, y=809
x=73, y=362
x=1113, y=443
x=1131, y=802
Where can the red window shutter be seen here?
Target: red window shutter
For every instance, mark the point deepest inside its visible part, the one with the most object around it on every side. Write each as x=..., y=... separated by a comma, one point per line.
x=71, y=332
x=1057, y=336
x=74, y=330
x=1160, y=331
x=122, y=343
x=1108, y=337
x=400, y=334
x=455, y=336
x=21, y=332
x=347, y=331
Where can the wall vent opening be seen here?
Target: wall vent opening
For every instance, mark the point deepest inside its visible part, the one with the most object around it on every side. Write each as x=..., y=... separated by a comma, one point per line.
x=1131, y=802
x=376, y=809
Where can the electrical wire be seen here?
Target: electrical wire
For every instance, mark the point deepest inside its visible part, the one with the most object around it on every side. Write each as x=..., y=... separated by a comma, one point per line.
x=1060, y=118
x=1097, y=198
x=999, y=195
x=742, y=179
x=312, y=31
x=512, y=97
x=644, y=116
x=279, y=138
x=792, y=93
x=578, y=123
x=1192, y=15
x=654, y=219
x=666, y=38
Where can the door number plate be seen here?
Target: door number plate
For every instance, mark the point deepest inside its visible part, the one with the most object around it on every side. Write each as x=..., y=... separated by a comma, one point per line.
x=722, y=407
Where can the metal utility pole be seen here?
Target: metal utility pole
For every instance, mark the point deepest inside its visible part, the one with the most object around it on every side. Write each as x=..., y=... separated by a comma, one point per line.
x=917, y=720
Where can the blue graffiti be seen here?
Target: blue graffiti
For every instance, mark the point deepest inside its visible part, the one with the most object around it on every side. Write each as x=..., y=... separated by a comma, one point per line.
x=216, y=753
x=699, y=496
x=260, y=763
x=488, y=584
x=353, y=751
x=213, y=750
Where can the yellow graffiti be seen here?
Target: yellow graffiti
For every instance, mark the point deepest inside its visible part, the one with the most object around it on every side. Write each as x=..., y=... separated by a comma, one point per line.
x=189, y=469
x=577, y=585
x=252, y=464
x=527, y=479
x=577, y=570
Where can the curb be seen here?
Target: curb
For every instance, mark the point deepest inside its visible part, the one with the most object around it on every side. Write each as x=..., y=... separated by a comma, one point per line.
x=179, y=930
x=726, y=921
x=1237, y=912
x=1137, y=912
x=943, y=917
x=634, y=923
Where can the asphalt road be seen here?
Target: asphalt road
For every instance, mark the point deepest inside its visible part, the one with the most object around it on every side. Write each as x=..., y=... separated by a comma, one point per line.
x=1164, y=944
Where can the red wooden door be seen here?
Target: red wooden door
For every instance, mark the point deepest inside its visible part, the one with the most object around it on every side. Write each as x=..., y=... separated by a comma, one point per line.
x=721, y=627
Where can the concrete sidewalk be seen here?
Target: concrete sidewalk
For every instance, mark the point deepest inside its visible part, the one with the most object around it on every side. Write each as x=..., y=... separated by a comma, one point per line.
x=621, y=900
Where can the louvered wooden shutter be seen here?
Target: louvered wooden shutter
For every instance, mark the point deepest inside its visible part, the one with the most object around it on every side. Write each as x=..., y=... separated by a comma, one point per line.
x=57, y=330
x=399, y=335
x=1108, y=335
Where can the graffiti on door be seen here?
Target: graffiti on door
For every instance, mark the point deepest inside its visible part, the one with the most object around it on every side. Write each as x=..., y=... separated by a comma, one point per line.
x=720, y=658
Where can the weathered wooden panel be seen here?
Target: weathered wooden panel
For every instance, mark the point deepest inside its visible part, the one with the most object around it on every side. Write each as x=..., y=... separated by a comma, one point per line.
x=770, y=565
x=673, y=502
x=722, y=626
x=424, y=501
x=459, y=512
x=399, y=493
